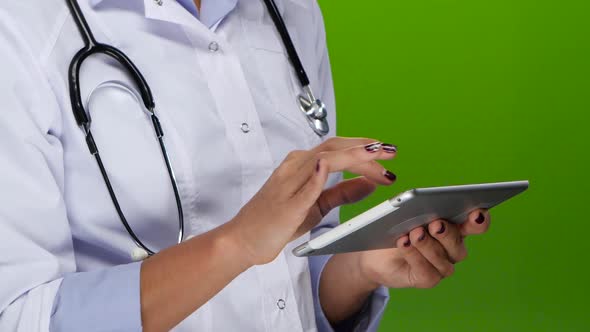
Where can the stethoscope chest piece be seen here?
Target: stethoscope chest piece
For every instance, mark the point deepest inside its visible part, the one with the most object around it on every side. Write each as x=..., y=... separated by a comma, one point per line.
x=315, y=112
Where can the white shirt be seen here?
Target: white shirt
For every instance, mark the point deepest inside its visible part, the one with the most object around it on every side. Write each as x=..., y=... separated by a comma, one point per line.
x=226, y=98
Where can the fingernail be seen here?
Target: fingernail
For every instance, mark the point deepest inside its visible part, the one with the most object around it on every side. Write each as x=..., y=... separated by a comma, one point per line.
x=390, y=176
x=422, y=237
x=442, y=228
x=407, y=243
x=480, y=218
x=389, y=148
x=373, y=147
x=317, y=167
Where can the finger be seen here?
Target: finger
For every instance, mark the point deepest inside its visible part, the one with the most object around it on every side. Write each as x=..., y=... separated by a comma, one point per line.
x=382, y=151
x=422, y=273
x=345, y=192
x=313, y=188
x=375, y=172
x=297, y=158
x=478, y=222
x=449, y=236
x=432, y=250
x=341, y=143
x=298, y=166
x=352, y=157
x=308, y=196
x=294, y=172
x=293, y=163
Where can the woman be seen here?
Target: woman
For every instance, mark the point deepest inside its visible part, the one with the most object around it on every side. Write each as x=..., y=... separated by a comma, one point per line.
x=251, y=177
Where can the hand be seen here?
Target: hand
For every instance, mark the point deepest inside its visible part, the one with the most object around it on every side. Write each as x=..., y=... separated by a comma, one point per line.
x=293, y=200
x=424, y=256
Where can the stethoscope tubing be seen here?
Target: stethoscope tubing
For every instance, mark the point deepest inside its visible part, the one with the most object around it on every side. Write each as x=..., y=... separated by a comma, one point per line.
x=91, y=47
x=313, y=108
x=275, y=15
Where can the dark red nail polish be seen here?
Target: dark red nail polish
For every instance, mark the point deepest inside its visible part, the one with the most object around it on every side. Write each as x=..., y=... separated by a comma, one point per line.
x=422, y=237
x=442, y=228
x=389, y=148
x=390, y=176
x=480, y=218
x=317, y=167
x=407, y=243
x=373, y=147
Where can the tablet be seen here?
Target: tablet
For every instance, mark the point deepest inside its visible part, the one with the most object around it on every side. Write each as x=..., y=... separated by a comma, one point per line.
x=381, y=226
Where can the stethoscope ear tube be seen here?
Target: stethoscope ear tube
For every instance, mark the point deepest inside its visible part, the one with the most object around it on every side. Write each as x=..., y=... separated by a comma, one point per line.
x=74, y=82
x=91, y=46
x=121, y=58
x=74, y=70
x=140, y=81
x=81, y=23
x=286, y=38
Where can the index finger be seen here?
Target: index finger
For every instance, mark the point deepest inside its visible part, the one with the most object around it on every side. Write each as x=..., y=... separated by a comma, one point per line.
x=342, y=143
x=347, y=159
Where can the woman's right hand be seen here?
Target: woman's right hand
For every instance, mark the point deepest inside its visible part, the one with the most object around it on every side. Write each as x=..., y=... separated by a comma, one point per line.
x=290, y=203
x=293, y=199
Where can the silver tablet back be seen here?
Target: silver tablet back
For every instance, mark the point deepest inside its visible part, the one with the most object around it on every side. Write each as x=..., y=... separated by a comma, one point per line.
x=419, y=207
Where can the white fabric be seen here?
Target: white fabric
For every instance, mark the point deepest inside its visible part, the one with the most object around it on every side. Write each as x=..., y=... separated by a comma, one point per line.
x=56, y=216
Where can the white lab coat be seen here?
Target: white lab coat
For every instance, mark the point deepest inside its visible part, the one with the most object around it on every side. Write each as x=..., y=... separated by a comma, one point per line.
x=56, y=216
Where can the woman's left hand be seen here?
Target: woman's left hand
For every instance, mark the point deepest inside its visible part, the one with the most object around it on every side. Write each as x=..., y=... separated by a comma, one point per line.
x=423, y=257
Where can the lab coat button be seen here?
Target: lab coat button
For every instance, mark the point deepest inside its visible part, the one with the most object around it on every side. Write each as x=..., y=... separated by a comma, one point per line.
x=213, y=47
x=245, y=128
x=159, y=2
x=281, y=304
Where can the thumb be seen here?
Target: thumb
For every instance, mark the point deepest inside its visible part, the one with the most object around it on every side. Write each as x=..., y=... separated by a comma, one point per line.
x=345, y=192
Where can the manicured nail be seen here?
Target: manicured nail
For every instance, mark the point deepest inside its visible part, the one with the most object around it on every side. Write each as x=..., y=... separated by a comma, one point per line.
x=389, y=148
x=442, y=228
x=373, y=147
x=407, y=243
x=317, y=167
x=390, y=176
x=422, y=237
x=480, y=218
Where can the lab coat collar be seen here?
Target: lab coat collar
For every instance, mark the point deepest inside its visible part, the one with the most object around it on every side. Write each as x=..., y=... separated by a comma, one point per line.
x=162, y=10
x=172, y=11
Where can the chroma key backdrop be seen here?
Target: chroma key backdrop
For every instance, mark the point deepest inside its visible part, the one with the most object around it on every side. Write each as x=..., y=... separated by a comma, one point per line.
x=480, y=91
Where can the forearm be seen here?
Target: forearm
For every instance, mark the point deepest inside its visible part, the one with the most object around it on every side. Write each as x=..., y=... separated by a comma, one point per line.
x=179, y=280
x=343, y=290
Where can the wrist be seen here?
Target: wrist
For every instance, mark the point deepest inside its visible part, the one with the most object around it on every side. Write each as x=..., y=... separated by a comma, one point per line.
x=344, y=289
x=229, y=242
x=366, y=272
x=356, y=269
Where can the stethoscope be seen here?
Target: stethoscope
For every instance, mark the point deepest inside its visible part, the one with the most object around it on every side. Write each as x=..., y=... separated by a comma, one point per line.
x=313, y=108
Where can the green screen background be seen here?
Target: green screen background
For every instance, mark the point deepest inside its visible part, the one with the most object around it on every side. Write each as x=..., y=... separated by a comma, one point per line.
x=478, y=91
